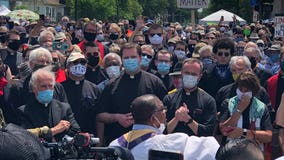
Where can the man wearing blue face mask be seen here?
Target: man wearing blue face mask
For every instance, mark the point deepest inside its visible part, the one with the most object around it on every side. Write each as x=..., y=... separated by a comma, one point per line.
x=43, y=110
x=119, y=93
x=272, y=62
x=190, y=109
x=83, y=95
x=164, y=62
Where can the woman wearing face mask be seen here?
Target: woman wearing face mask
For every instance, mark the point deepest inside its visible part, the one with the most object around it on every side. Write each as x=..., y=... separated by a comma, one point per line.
x=246, y=115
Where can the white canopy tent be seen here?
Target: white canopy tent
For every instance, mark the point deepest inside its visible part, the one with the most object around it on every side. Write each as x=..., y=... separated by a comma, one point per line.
x=215, y=17
x=4, y=10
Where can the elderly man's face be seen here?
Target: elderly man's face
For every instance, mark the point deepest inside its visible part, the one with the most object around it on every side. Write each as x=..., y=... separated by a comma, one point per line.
x=44, y=82
x=40, y=62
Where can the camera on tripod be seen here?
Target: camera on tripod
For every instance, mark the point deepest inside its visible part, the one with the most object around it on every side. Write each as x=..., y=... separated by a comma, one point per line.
x=81, y=146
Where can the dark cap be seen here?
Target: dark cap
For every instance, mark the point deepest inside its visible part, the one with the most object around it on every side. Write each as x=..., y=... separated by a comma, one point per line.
x=177, y=69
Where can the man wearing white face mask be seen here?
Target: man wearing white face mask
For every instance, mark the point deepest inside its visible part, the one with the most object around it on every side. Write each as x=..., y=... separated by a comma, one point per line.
x=112, y=65
x=190, y=109
x=82, y=94
x=149, y=116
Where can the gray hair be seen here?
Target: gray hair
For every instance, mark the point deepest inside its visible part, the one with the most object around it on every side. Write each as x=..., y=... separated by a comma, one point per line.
x=39, y=52
x=42, y=71
x=234, y=60
x=115, y=55
x=45, y=33
x=256, y=50
x=206, y=48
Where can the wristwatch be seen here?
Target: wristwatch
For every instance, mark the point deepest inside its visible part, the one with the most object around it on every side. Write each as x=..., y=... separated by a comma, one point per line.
x=188, y=122
x=245, y=131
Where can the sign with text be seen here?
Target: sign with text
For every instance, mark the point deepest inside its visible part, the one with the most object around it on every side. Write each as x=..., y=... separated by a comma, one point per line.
x=192, y=3
x=279, y=26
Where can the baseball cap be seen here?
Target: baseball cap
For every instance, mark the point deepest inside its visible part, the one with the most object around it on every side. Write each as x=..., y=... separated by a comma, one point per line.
x=75, y=56
x=177, y=69
x=59, y=36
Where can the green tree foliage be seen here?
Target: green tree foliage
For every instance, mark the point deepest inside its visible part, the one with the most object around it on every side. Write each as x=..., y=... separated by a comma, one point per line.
x=21, y=7
x=105, y=9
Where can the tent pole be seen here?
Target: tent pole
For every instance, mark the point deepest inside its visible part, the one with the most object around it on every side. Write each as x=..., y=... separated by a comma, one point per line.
x=192, y=17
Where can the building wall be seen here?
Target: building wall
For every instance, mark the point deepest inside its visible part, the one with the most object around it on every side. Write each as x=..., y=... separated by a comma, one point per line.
x=278, y=7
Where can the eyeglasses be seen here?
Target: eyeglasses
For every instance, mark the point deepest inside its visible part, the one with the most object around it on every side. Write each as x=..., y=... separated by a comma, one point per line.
x=226, y=54
x=81, y=61
x=55, y=59
x=146, y=55
x=162, y=109
x=153, y=34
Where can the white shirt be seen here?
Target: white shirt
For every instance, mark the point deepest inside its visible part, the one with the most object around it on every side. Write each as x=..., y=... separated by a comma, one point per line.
x=193, y=148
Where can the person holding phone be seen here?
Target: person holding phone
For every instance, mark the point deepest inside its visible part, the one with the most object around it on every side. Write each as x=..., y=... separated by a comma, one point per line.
x=149, y=116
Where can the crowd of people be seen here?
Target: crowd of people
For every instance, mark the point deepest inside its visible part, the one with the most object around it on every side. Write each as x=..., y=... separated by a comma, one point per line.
x=143, y=86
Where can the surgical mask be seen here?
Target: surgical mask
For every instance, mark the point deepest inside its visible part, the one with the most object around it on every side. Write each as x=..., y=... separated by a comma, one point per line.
x=89, y=36
x=189, y=81
x=156, y=39
x=145, y=62
x=162, y=125
x=14, y=45
x=282, y=66
x=100, y=37
x=235, y=76
x=222, y=29
x=207, y=61
x=45, y=97
x=180, y=54
x=240, y=94
x=163, y=68
x=131, y=65
x=78, y=70
x=113, y=71
x=274, y=57
x=171, y=48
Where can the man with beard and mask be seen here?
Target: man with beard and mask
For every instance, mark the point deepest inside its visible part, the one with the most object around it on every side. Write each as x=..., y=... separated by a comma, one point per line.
x=275, y=84
x=149, y=116
x=254, y=56
x=190, y=109
x=119, y=93
x=112, y=65
x=43, y=110
x=95, y=72
x=90, y=30
x=20, y=93
x=220, y=75
x=10, y=55
x=164, y=62
x=82, y=94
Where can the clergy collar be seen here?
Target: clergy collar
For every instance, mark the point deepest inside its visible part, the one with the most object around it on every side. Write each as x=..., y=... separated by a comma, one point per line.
x=133, y=76
x=93, y=68
x=76, y=82
x=188, y=93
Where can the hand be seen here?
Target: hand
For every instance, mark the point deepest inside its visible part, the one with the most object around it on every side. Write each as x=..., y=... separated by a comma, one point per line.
x=62, y=126
x=182, y=113
x=244, y=102
x=235, y=133
x=125, y=120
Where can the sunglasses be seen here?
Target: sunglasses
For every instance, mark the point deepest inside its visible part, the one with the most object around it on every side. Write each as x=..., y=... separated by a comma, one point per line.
x=226, y=54
x=81, y=61
x=146, y=55
x=153, y=34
